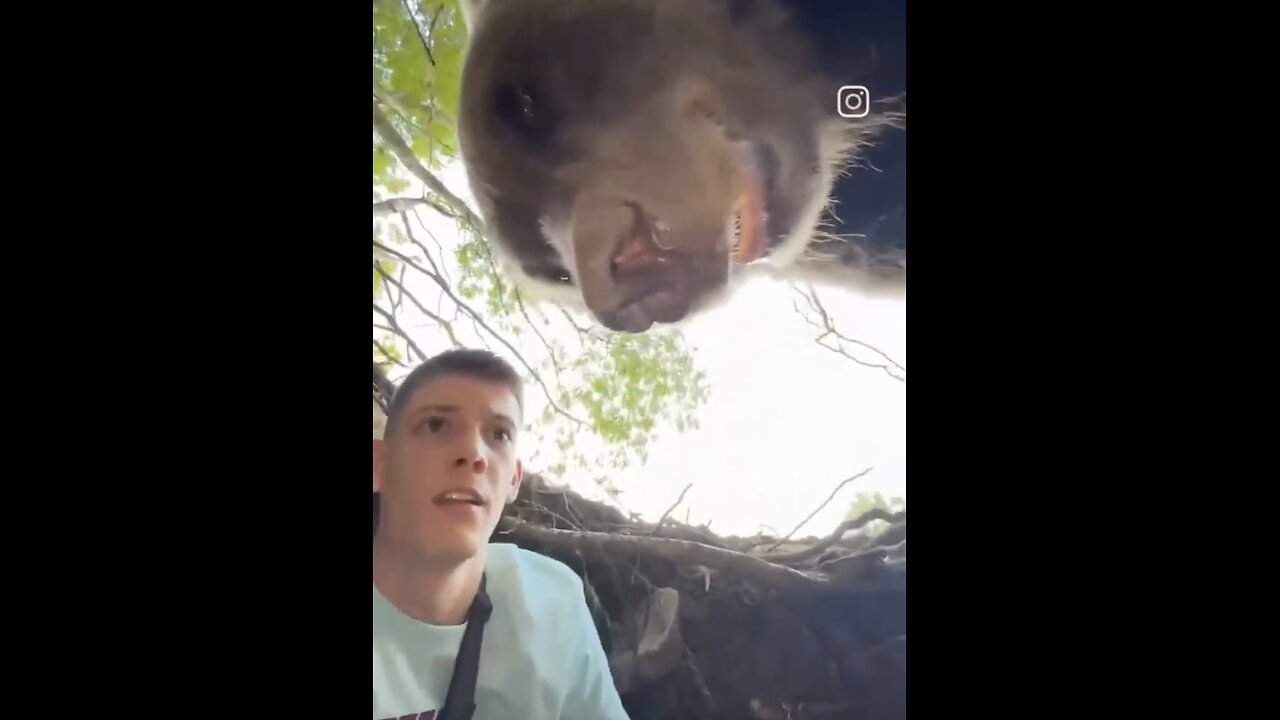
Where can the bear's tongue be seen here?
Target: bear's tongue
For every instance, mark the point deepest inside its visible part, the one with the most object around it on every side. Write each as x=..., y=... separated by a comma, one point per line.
x=750, y=242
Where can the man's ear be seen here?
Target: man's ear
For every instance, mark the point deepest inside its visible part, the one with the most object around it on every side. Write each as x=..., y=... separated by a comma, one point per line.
x=379, y=463
x=515, y=482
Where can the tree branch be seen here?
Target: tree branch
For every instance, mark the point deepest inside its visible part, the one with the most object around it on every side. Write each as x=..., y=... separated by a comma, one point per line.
x=400, y=331
x=515, y=291
x=395, y=307
x=387, y=98
x=425, y=45
x=582, y=332
x=397, y=205
x=679, y=551
x=834, y=537
x=676, y=504
x=405, y=155
x=387, y=355
x=854, y=566
x=819, y=508
x=443, y=268
x=475, y=318
x=386, y=289
x=448, y=327
x=829, y=329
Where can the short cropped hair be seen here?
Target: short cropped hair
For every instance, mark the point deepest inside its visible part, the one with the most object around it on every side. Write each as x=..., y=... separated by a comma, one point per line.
x=474, y=363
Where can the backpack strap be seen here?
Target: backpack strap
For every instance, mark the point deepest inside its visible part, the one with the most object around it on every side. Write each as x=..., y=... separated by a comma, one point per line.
x=460, y=702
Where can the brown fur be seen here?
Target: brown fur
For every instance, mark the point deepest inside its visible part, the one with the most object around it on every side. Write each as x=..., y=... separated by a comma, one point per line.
x=638, y=103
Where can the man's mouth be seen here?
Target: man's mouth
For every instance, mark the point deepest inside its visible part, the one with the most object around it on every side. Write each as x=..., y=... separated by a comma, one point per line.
x=459, y=497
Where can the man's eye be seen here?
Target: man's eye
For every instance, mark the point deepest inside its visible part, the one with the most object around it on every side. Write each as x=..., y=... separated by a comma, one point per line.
x=503, y=434
x=435, y=424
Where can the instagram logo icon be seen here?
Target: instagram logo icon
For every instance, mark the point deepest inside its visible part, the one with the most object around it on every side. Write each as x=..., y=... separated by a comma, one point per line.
x=853, y=101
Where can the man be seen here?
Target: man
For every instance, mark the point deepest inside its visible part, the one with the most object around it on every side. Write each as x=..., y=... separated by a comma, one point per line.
x=445, y=467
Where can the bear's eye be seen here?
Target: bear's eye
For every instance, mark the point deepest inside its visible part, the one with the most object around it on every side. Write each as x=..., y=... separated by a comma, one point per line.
x=523, y=109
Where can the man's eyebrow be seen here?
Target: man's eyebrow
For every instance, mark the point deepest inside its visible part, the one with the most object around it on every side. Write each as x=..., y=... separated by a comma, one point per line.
x=436, y=408
x=455, y=408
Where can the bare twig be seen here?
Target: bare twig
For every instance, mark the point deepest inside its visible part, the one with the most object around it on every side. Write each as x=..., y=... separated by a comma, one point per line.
x=425, y=45
x=444, y=211
x=674, y=505
x=434, y=113
x=854, y=566
x=387, y=354
x=572, y=525
x=515, y=292
x=443, y=267
x=476, y=319
x=386, y=97
x=819, y=508
x=439, y=269
x=834, y=537
x=400, y=331
x=829, y=325
x=395, y=307
x=582, y=332
x=431, y=28
x=386, y=288
x=397, y=205
x=569, y=504
x=448, y=327
x=829, y=330
x=405, y=155
x=551, y=353
x=679, y=551
x=483, y=338
x=437, y=273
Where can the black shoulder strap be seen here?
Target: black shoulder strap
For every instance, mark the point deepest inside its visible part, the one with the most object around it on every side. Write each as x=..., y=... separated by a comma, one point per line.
x=460, y=703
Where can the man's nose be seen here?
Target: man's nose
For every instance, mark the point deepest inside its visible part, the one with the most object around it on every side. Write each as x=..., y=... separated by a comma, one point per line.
x=472, y=453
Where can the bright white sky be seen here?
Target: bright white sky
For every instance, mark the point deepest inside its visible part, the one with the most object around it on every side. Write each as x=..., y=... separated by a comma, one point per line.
x=786, y=419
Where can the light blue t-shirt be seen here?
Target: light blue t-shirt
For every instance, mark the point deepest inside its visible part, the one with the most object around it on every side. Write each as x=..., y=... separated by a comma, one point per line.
x=540, y=659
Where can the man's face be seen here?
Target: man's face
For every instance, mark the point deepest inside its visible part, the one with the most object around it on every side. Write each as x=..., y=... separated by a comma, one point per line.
x=448, y=467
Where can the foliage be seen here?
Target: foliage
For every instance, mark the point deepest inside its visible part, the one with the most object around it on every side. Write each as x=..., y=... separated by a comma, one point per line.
x=605, y=396
x=418, y=89
x=862, y=502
